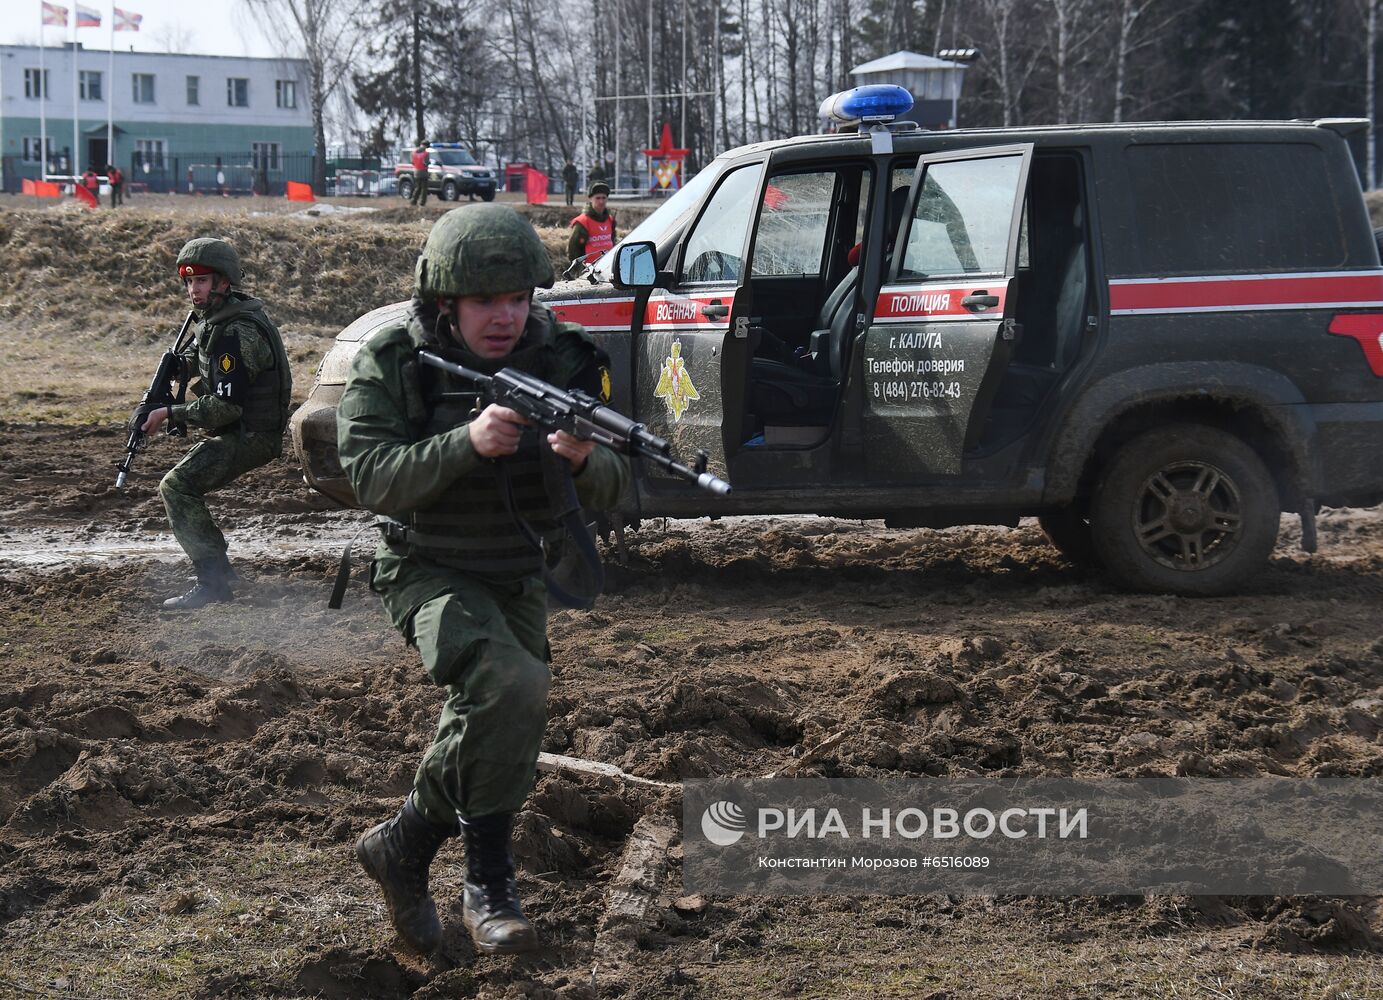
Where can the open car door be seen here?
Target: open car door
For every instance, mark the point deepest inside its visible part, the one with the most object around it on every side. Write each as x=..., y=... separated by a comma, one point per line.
x=943, y=328
x=692, y=338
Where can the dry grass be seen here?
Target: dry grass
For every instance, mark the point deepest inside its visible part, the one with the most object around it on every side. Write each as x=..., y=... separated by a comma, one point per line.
x=110, y=273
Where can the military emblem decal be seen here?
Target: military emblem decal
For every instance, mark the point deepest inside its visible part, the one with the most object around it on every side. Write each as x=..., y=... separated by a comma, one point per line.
x=606, y=390
x=226, y=364
x=674, y=383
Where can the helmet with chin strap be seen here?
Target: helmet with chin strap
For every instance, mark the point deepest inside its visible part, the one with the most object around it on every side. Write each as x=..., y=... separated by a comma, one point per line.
x=481, y=250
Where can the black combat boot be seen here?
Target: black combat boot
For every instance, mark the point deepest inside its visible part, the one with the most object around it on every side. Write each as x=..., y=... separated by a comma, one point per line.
x=491, y=908
x=397, y=855
x=213, y=585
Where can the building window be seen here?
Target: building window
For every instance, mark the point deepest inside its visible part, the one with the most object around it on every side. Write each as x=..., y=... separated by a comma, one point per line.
x=194, y=86
x=90, y=85
x=31, y=83
x=143, y=88
x=150, y=151
x=237, y=92
x=31, y=148
x=286, y=93
x=265, y=155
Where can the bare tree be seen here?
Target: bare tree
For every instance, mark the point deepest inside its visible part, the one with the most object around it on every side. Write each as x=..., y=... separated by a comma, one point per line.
x=325, y=33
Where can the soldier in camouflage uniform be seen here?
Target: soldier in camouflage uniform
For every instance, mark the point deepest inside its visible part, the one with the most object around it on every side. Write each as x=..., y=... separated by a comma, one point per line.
x=243, y=388
x=457, y=576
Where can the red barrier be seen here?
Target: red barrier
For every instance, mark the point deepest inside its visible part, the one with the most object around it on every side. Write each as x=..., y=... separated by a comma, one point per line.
x=297, y=191
x=535, y=187
x=40, y=189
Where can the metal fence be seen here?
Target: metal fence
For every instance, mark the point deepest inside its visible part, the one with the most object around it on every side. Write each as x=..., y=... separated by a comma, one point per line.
x=224, y=173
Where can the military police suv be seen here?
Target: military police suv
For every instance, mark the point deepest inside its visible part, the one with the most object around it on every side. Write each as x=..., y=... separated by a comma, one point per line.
x=451, y=173
x=1153, y=337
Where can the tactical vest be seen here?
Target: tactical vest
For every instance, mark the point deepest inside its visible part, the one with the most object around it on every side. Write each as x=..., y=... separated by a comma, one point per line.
x=266, y=404
x=600, y=236
x=472, y=527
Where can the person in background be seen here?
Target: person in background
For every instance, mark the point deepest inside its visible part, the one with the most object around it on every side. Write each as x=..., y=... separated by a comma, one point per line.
x=419, y=197
x=593, y=231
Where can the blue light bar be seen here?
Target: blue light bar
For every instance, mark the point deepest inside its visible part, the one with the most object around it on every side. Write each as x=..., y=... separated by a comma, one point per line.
x=445, y=145
x=878, y=101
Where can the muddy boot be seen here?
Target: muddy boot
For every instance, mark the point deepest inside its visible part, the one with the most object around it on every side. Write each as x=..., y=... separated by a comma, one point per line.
x=491, y=909
x=397, y=854
x=213, y=585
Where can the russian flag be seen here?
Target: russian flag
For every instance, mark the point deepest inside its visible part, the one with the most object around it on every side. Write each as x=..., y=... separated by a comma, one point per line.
x=88, y=18
x=126, y=20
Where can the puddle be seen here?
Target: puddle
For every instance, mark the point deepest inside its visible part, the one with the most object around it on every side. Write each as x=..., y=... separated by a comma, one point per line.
x=43, y=549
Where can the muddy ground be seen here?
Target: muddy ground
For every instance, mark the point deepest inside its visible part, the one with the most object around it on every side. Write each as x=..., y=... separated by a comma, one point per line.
x=179, y=793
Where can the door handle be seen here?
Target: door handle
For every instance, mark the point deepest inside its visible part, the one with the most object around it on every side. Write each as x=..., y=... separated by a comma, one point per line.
x=980, y=301
x=715, y=310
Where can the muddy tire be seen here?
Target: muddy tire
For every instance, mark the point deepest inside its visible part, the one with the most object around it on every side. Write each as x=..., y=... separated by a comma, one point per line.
x=406, y=188
x=1068, y=529
x=1185, y=509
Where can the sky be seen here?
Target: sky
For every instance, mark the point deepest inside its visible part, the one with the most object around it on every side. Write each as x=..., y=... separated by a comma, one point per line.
x=202, y=27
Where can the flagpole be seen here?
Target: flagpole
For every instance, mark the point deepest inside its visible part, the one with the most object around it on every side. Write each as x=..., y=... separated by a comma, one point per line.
x=42, y=102
x=76, y=110
x=110, y=92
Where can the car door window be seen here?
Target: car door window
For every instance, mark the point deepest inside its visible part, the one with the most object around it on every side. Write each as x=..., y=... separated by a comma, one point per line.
x=792, y=225
x=961, y=221
x=715, y=245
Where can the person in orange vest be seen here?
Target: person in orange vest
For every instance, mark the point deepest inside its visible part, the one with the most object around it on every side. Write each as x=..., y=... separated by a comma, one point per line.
x=593, y=231
x=419, y=161
x=115, y=178
x=92, y=182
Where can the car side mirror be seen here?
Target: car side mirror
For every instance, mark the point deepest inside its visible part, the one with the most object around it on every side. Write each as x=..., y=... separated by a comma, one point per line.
x=636, y=266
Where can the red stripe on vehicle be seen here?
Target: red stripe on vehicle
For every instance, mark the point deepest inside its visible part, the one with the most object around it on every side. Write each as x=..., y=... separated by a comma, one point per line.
x=936, y=302
x=595, y=314
x=675, y=312
x=1247, y=292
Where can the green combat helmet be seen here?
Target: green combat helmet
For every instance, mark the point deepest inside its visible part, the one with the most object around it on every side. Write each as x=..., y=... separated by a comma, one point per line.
x=481, y=250
x=206, y=254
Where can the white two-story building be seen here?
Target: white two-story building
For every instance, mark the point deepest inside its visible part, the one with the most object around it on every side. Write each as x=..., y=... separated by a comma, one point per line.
x=174, y=116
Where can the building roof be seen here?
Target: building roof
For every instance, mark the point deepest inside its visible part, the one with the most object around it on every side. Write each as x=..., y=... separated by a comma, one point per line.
x=905, y=60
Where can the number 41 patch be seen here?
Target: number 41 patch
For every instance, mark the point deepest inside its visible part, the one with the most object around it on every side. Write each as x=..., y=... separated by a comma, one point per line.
x=229, y=372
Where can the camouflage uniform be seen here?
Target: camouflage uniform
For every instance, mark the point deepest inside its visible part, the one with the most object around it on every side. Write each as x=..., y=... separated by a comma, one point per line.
x=474, y=603
x=456, y=576
x=243, y=386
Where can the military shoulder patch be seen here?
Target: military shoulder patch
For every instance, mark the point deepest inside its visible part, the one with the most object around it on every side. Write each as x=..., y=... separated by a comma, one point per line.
x=225, y=364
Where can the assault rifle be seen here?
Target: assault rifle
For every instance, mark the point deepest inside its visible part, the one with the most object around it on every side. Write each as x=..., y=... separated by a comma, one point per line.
x=158, y=395
x=580, y=415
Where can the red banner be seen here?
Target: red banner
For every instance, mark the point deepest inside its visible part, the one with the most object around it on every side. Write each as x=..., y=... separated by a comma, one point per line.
x=535, y=187
x=84, y=195
x=26, y=186
x=47, y=189
x=297, y=191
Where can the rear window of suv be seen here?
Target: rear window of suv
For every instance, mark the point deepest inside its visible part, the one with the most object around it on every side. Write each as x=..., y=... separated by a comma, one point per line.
x=1218, y=208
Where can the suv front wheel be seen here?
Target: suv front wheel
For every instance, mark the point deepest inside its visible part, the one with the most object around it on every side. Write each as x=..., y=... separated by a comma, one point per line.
x=406, y=188
x=1185, y=509
x=450, y=192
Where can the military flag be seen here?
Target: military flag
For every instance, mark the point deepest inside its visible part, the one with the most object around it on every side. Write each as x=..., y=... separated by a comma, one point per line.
x=53, y=14
x=126, y=20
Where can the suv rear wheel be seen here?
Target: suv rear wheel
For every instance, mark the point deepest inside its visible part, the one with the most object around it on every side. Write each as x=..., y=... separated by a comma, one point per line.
x=449, y=191
x=1186, y=509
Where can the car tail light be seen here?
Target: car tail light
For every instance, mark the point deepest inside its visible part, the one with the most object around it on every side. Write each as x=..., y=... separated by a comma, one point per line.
x=1367, y=328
